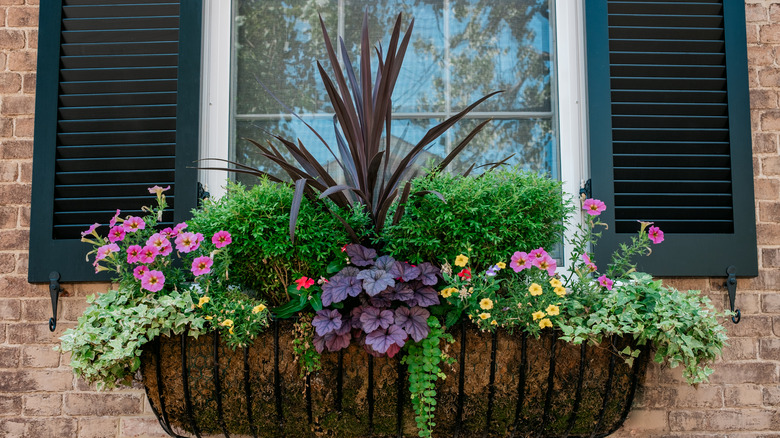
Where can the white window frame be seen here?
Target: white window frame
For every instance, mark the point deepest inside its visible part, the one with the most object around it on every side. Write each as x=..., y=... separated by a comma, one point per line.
x=569, y=80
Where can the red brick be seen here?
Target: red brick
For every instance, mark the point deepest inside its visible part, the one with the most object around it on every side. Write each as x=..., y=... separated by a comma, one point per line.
x=755, y=12
x=23, y=60
x=771, y=395
x=15, y=194
x=770, y=166
x=705, y=396
x=742, y=395
x=763, y=143
x=16, y=105
x=96, y=427
x=40, y=356
x=22, y=17
x=750, y=325
x=24, y=126
x=43, y=405
x=72, y=308
x=147, y=427
x=11, y=2
x=10, y=83
x=9, y=171
x=11, y=39
x=751, y=33
x=14, y=240
x=50, y=427
x=770, y=33
x=10, y=309
x=774, y=12
x=760, y=55
x=768, y=234
x=722, y=420
x=10, y=405
x=8, y=219
x=37, y=309
x=36, y=333
x=6, y=127
x=769, y=77
x=741, y=349
x=770, y=120
x=102, y=404
x=21, y=263
x=748, y=372
x=769, y=348
x=760, y=99
x=32, y=38
x=25, y=173
x=770, y=303
x=28, y=83
x=9, y=357
x=16, y=149
x=767, y=188
x=22, y=380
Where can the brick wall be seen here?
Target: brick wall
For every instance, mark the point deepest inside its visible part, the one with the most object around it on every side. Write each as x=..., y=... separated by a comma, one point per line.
x=39, y=397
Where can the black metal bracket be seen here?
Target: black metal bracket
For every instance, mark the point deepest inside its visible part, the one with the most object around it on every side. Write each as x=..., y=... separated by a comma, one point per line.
x=731, y=285
x=585, y=189
x=54, y=290
x=202, y=194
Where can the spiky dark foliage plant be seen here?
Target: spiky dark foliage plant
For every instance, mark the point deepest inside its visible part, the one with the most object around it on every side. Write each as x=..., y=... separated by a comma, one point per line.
x=363, y=112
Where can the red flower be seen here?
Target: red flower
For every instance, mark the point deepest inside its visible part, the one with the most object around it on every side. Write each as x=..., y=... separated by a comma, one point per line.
x=304, y=282
x=465, y=274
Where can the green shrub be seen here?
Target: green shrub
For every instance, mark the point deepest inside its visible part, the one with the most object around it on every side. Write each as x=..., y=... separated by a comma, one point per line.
x=495, y=215
x=262, y=256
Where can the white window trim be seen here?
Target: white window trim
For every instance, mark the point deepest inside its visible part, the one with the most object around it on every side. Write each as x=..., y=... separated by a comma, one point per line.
x=569, y=41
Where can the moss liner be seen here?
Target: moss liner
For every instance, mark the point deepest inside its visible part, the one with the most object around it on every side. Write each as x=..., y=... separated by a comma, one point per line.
x=493, y=374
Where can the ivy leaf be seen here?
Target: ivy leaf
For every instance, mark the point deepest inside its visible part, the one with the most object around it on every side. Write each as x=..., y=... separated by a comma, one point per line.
x=381, y=339
x=429, y=274
x=405, y=271
x=414, y=321
x=375, y=280
x=373, y=318
x=338, y=288
x=359, y=255
x=327, y=321
x=385, y=263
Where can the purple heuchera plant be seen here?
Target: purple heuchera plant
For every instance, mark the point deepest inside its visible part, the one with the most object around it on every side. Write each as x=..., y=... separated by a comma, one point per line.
x=385, y=302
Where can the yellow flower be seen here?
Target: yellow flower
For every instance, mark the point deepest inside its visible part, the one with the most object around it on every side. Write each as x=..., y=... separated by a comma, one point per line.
x=555, y=283
x=538, y=315
x=545, y=323
x=552, y=310
x=501, y=265
x=446, y=293
x=560, y=291
x=461, y=260
x=494, y=322
x=535, y=289
x=231, y=330
x=203, y=300
x=258, y=308
x=484, y=315
x=486, y=304
x=209, y=317
x=227, y=323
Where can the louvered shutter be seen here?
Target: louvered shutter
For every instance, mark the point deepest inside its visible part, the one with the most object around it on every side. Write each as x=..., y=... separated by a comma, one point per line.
x=669, y=130
x=117, y=107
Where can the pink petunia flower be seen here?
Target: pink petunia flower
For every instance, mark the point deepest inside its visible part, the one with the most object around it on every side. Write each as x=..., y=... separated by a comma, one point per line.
x=133, y=224
x=593, y=207
x=304, y=282
x=105, y=250
x=538, y=254
x=159, y=241
x=202, y=265
x=655, y=234
x=114, y=219
x=140, y=271
x=90, y=230
x=117, y=234
x=167, y=232
x=178, y=229
x=188, y=242
x=588, y=263
x=133, y=253
x=519, y=261
x=166, y=248
x=153, y=281
x=147, y=254
x=605, y=282
x=221, y=239
x=546, y=264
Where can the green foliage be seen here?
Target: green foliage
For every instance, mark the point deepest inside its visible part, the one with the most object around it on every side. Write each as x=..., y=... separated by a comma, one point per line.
x=424, y=361
x=106, y=344
x=303, y=346
x=500, y=212
x=237, y=317
x=262, y=256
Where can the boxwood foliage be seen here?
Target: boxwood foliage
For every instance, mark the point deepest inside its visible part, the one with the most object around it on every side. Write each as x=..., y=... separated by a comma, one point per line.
x=493, y=215
x=263, y=258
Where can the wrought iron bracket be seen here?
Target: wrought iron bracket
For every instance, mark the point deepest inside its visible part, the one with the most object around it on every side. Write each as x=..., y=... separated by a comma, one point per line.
x=731, y=285
x=203, y=194
x=585, y=189
x=54, y=290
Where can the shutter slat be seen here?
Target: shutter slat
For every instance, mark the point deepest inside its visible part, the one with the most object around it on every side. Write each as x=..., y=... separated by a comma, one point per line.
x=100, y=87
x=127, y=9
x=112, y=74
x=94, y=126
x=119, y=48
x=119, y=23
x=81, y=113
x=116, y=150
x=119, y=61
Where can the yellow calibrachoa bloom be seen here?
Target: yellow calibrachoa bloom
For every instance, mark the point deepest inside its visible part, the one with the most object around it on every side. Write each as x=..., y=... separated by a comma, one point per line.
x=552, y=310
x=227, y=323
x=486, y=304
x=231, y=330
x=501, y=265
x=494, y=322
x=555, y=283
x=209, y=317
x=461, y=260
x=535, y=289
x=545, y=323
x=203, y=300
x=446, y=293
x=538, y=315
x=560, y=291
x=484, y=315
x=258, y=308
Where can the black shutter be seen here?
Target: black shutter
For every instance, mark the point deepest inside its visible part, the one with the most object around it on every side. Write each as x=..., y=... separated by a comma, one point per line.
x=669, y=130
x=117, y=107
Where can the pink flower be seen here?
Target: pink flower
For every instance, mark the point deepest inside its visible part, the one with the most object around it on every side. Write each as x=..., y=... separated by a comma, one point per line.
x=159, y=241
x=221, y=239
x=588, y=263
x=167, y=231
x=546, y=264
x=177, y=229
x=140, y=271
x=153, y=281
x=655, y=234
x=90, y=230
x=148, y=253
x=133, y=253
x=105, y=250
x=114, y=219
x=304, y=282
x=605, y=282
x=187, y=242
x=593, y=207
x=166, y=248
x=133, y=224
x=538, y=254
x=202, y=265
x=519, y=261
x=117, y=234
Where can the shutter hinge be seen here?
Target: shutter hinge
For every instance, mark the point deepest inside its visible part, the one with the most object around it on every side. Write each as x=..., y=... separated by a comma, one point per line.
x=585, y=189
x=54, y=290
x=731, y=285
x=202, y=194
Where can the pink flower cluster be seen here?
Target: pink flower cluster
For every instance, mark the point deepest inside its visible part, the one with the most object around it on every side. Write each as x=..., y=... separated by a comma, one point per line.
x=538, y=258
x=593, y=207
